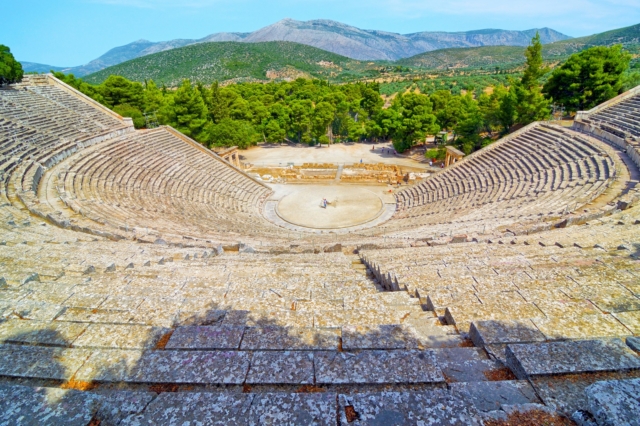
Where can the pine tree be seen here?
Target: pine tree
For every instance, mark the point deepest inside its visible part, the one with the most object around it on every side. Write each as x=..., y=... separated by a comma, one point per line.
x=10, y=69
x=531, y=104
x=189, y=114
x=589, y=78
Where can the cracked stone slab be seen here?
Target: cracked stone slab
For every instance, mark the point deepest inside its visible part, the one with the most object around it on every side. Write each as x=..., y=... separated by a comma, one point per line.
x=462, y=316
x=489, y=396
x=189, y=318
x=35, y=311
x=206, y=337
x=281, y=367
x=269, y=318
x=178, y=409
x=389, y=337
x=511, y=331
x=44, y=333
x=109, y=366
x=377, y=366
x=290, y=338
x=91, y=301
x=118, y=405
x=465, y=364
x=207, y=367
x=25, y=405
x=119, y=336
x=631, y=320
x=293, y=409
x=567, y=393
x=96, y=316
x=585, y=356
x=432, y=407
x=581, y=327
x=41, y=362
x=617, y=304
x=615, y=402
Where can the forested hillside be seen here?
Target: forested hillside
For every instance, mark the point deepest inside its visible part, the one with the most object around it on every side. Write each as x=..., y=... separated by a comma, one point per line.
x=315, y=111
x=207, y=62
x=505, y=57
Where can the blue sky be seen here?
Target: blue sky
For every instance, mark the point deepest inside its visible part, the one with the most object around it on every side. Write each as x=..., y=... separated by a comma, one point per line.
x=73, y=32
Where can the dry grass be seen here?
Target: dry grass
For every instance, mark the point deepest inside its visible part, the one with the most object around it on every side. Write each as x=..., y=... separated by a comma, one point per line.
x=78, y=385
x=351, y=413
x=164, y=387
x=162, y=343
x=467, y=343
x=499, y=375
x=310, y=389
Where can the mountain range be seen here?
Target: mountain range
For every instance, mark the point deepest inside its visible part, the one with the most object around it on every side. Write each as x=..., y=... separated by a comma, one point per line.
x=328, y=35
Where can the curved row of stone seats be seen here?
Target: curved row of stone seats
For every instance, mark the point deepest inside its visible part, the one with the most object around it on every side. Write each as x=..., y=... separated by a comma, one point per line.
x=43, y=121
x=616, y=121
x=154, y=179
x=573, y=283
x=623, y=116
x=96, y=313
x=36, y=131
x=542, y=170
x=235, y=315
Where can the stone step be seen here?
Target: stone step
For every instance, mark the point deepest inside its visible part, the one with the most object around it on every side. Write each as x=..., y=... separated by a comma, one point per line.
x=221, y=367
x=430, y=407
x=238, y=409
x=488, y=396
x=615, y=402
x=27, y=405
x=529, y=360
x=416, y=335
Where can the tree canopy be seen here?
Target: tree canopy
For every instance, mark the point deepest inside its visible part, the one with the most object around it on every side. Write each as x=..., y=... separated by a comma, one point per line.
x=316, y=112
x=531, y=105
x=10, y=69
x=589, y=78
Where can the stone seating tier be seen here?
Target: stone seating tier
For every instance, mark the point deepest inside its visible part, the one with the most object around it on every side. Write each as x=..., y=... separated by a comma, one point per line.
x=97, y=329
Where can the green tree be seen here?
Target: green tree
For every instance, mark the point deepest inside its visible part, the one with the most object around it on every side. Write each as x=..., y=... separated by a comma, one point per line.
x=531, y=104
x=414, y=122
x=272, y=132
x=153, y=98
x=589, y=78
x=126, y=110
x=371, y=101
x=189, y=113
x=469, y=126
x=231, y=133
x=10, y=69
x=506, y=116
x=301, y=120
x=219, y=101
x=436, y=153
x=323, y=115
x=118, y=90
x=447, y=108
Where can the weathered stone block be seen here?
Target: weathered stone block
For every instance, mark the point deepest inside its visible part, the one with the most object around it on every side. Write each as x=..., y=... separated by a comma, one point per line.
x=615, y=402
x=585, y=356
x=495, y=332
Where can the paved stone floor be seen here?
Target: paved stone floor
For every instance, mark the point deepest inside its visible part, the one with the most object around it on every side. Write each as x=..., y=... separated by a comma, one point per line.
x=338, y=154
x=347, y=206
